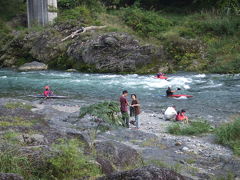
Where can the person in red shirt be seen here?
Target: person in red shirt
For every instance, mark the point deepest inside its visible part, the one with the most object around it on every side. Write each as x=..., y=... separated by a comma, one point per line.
x=124, y=108
x=47, y=91
x=181, y=116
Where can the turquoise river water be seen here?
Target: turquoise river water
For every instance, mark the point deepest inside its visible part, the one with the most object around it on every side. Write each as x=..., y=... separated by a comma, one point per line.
x=215, y=97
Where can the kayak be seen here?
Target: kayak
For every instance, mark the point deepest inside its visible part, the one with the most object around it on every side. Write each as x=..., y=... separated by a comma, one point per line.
x=161, y=77
x=181, y=95
x=50, y=97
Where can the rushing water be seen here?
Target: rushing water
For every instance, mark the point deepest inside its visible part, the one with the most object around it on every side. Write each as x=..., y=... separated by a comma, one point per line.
x=216, y=97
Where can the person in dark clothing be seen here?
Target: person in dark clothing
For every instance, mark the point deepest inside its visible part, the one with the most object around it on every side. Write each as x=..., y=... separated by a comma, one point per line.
x=170, y=92
x=136, y=109
x=124, y=108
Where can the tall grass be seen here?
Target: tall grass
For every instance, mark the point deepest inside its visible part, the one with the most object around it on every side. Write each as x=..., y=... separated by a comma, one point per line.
x=71, y=163
x=229, y=135
x=106, y=111
x=194, y=128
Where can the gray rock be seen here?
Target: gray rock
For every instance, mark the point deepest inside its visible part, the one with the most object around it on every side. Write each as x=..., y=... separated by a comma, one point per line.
x=33, y=66
x=117, y=154
x=32, y=139
x=71, y=70
x=145, y=173
x=115, y=52
x=10, y=176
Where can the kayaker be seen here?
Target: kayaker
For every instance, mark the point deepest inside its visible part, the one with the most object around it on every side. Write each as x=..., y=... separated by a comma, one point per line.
x=47, y=91
x=160, y=74
x=181, y=116
x=124, y=107
x=170, y=113
x=170, y=92
x=136, y=109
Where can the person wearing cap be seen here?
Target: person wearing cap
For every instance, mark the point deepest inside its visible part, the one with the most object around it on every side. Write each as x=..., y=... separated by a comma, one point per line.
x=47, y=91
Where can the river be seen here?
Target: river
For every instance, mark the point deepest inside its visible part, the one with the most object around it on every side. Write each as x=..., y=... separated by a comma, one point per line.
x=216, y=98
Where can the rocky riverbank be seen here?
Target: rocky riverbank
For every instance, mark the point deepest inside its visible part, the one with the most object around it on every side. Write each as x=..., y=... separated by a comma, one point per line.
x=37, y=124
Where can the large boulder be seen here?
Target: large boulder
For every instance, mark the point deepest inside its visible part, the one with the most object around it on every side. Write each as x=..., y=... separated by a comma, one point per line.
x=145, y=173
x=113, y=154
x=115, y=52
x=10, y=176
x=33, y=66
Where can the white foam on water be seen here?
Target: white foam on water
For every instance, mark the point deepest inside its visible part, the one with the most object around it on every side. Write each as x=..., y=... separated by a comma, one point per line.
x=78, y=80
x=200, y=75
x=211, y=86
x=182, y=97
x=3, y=77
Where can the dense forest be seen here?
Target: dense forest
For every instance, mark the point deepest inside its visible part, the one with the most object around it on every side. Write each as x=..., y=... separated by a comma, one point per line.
x=179, y=26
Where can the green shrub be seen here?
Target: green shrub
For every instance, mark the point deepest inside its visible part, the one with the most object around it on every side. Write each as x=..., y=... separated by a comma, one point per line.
x=107, y=111
x=12, y=161
x=194, y=128
x=15, y=105
x=229, y=135
x=71, y=163
x=145, y=23
x=70, y=4
x=213, y=24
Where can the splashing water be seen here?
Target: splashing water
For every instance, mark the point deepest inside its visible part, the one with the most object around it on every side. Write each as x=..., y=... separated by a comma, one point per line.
x=216, y=96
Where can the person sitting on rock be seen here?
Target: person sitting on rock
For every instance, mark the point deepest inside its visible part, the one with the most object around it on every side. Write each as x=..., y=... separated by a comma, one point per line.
x=47, y=91
x=181, y=116
x=170, y=113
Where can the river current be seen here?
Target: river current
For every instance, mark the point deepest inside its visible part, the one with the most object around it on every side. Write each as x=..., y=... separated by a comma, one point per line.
x=215, y=97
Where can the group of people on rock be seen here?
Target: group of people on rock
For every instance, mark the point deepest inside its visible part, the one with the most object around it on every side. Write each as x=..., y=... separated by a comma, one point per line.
x=135, y=111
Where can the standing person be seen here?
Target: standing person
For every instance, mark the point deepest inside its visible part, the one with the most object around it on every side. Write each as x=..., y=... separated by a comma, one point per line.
x=170, y=113
x=136, y=107
x=124, y=107
x=47, y=92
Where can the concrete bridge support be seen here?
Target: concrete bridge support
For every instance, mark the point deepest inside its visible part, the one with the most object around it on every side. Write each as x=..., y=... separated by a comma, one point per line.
x=41, y=12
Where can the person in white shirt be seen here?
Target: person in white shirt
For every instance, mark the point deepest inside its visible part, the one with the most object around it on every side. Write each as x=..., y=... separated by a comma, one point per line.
x=170, y=113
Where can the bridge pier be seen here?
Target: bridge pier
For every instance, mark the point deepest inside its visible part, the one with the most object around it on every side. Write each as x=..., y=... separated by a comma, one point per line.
x=41, y=12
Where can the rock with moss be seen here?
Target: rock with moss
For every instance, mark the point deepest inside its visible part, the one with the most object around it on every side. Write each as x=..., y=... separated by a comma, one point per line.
x=115, y=52
x=113, y=155
x=147, y=172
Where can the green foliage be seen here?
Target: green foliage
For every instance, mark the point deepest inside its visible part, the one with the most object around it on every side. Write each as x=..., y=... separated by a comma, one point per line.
x=209, y=23
x=229, y=135
x=194, y=128
x=13, y=121
x=145, y=23
x=70, y=4
x=107, y=111
x=11, y=8
x=12, y=161
x=71, y=163
x=80, y=14
x=15, y=105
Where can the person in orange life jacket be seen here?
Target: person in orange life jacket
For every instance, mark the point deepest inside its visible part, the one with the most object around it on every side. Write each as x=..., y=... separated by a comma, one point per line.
x=181, y=116
x=47, y=91
x=124, y=107
x=135, y=106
